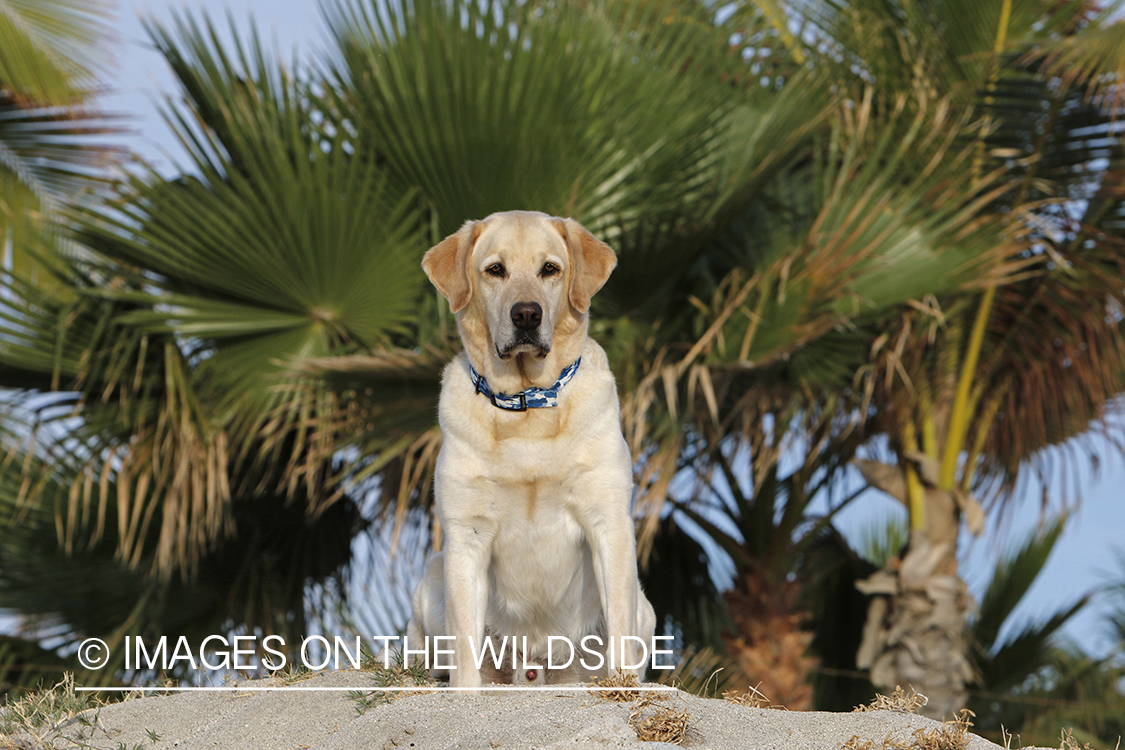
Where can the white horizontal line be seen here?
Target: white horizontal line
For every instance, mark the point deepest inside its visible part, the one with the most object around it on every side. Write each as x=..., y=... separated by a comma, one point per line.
x=313, y=689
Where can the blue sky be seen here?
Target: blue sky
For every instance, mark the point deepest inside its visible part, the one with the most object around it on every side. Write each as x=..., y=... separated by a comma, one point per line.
x=1084, y=556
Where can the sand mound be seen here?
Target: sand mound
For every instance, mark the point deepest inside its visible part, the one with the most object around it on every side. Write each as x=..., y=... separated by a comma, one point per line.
x=298, y=718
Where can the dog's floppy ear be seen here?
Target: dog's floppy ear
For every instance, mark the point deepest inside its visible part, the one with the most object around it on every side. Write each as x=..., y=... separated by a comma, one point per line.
x=447, y=265
x=593, y=261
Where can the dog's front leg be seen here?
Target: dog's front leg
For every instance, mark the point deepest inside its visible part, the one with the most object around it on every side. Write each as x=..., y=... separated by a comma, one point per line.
x=467, y=556
x=613, y=547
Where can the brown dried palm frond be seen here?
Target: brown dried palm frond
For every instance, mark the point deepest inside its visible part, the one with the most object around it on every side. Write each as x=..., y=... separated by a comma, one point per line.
x=897, y=212
x=1049, y=338
x=147, y=443
x=381, y=421
x=1052, y=363
x=1061, y=357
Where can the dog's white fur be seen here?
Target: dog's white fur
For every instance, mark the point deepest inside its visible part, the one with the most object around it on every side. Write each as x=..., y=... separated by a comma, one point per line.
x=534, y=505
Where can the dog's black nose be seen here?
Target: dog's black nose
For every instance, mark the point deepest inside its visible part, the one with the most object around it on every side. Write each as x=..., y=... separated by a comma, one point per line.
x=527, y=316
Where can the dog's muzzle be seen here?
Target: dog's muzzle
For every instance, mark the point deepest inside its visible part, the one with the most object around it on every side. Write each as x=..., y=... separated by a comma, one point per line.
x=526, y=319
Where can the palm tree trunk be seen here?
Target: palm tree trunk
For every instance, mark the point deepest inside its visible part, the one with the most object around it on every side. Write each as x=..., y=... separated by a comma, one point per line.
x=771, y=643
x=915, y=636
x=916, y=628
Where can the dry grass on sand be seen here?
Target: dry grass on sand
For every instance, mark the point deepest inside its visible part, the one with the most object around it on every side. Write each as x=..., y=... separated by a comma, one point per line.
x=390, y=673
x=44, y=718
x=753, y=697
x=899, y=700
x=652, y=721
x=951, y=735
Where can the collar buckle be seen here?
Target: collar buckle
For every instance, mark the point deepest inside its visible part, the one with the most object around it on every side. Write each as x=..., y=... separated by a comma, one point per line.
x=522, y=405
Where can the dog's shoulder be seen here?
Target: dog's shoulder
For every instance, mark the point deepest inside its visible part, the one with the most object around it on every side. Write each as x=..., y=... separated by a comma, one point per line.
x=457, y=408
x=457, y=373
x=597, y=383
x=594, y=357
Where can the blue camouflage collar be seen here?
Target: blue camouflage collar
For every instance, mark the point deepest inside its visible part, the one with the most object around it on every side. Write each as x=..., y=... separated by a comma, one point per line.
x=532, y=398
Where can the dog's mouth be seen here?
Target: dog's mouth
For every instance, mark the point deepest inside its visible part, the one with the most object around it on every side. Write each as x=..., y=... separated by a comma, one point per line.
x=522, y=344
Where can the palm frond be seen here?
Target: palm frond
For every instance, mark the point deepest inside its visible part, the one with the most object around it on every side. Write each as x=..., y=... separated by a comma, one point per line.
x=50, y=50
x=951, y=47
x=1093, y=60
x=679, y=584
x=50, y=153
x=50, y=158
x=1006, y=664
x=892, y=225
x=378, y=412
x=895, y=213
x=1015, y=572
x=1058, y=348
x=68, y=579
x=1072, y=690
x=586, y=114
x=201, y=293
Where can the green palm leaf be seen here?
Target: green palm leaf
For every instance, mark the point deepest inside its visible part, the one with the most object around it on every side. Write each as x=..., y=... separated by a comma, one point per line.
x=1028, y=656
x=613, y=114
x=49, y=49
x=1015, y=572
x=203, y=292
x=49, y=154
x=49, y=159
x=548, y=116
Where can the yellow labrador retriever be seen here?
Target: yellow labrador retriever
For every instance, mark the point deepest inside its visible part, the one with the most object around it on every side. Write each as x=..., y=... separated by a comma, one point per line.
x=533, y=482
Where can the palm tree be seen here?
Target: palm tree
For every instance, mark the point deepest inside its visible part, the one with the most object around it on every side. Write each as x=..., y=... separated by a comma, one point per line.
x=974, y=390
x=1032, y=687
x=1058, y=271
x=1007, y=665
x=136, y=451
x=1027, y=680
x=51, y=56
x=162, y=418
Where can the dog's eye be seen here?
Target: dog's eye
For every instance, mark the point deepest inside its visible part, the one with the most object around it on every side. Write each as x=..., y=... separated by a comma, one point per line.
x=549, y=269
x=496, y=269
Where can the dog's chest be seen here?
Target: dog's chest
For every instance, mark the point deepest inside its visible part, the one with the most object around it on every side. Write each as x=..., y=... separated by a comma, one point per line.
x=541, y=563
x=534, y=424
x=534, y=516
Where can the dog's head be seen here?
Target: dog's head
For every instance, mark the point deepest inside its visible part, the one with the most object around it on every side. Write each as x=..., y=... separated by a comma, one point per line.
x=521, y=273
